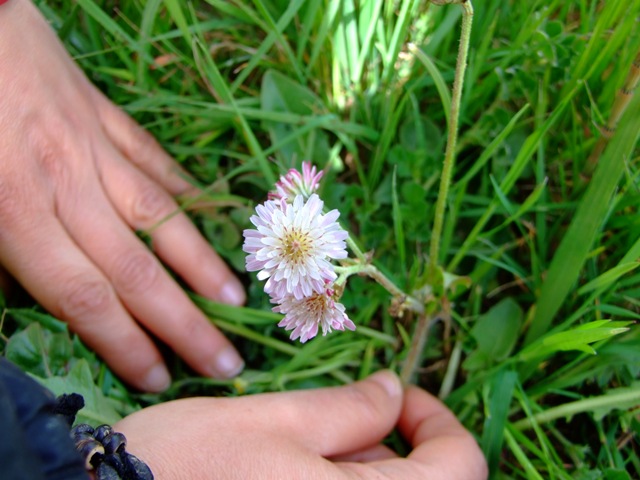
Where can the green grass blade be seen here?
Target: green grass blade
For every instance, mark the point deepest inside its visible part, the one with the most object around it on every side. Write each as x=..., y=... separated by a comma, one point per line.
x=111, y=26
x=220, y=88
x=608, y=277
x=488, y=152
x=529, y=147
x=177, y=15
x=397, y=223
x=274, y=31
x=438, y=80
x=574, y=248
x=499, y=401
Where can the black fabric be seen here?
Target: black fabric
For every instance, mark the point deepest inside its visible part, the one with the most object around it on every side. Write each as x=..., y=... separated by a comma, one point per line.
x=68, y=406
x=34, y=441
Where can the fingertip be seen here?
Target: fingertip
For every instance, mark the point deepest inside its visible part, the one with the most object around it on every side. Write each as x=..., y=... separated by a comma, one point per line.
x=389, y=381
x=157, y=379
x=232, y=293
x=227, y=363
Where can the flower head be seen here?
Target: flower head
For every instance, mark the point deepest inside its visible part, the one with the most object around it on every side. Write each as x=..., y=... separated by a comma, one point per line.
x=296, y=183
x=305, y=316
x=292, y=245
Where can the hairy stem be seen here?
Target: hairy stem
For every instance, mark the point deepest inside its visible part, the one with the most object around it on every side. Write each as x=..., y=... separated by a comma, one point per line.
x=452, y=135
x=424, y=321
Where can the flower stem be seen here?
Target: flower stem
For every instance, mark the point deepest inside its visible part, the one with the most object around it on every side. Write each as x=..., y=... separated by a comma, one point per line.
x=356, y=249
x=424, y=320
x=452, y=135
x=372, y=271
x=417, y=345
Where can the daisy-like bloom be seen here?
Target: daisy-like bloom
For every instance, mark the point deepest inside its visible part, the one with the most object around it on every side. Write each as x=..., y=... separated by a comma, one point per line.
x=296, y=183
x=305, y=316
x=292, y=245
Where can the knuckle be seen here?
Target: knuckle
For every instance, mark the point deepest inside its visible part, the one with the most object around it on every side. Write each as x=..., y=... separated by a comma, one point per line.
x=151, y=204
x=10, y=201
x=135, y=272
x=85, y=297
x=52, y=150
x=141, y=142
x=193, y=327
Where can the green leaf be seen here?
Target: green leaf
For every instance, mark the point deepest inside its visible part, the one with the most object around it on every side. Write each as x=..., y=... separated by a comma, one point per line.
x=98, y=409
x=579, y=338
x=496, y=333
x=284, y=95
x=40, y=351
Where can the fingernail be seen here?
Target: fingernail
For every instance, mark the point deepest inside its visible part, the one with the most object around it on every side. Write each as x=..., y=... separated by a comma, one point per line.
x=228, y=363
x=233, y=293
x=157, y=380
x=389, y=381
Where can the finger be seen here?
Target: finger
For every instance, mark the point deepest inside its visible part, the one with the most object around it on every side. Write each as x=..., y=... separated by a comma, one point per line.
x=146, y=289
x=336, y=421
x=144, y=205
x=141, y=148
x=56, y=273
x=369, y=454
x=438, y=436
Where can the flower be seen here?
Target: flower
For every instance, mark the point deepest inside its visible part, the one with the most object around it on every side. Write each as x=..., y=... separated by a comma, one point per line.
x=296, y=183
x=292, y=244
x=304, y=316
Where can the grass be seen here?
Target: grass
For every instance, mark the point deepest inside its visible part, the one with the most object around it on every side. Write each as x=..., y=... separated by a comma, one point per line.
x=239, y=91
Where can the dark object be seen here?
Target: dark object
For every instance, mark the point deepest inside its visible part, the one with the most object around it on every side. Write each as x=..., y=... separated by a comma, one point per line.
x=104, y=450
x=114, y=443
x=90, y=448
x=68, y=406
x=34, y=440
x=123, y=466
x=102, y=431
x=82, y=429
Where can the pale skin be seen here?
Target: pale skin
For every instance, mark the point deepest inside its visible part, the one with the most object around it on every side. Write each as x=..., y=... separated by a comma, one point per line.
x=331, y=433
x=77, y=177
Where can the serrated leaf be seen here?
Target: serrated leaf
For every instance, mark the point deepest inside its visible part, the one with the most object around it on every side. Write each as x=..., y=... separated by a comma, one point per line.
x=40, y=351
x=98, y=409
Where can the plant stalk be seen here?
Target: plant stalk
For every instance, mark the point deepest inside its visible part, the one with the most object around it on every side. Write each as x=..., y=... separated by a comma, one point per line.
x=415, y=350
x=372, y=271
x=424, y=321
x=452, y=135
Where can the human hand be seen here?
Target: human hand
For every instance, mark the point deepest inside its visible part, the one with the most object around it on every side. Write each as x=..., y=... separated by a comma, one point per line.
x=330, y=433
x=77, y=175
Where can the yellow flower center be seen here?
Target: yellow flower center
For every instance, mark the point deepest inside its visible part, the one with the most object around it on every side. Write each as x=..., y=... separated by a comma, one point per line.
x=296, y=246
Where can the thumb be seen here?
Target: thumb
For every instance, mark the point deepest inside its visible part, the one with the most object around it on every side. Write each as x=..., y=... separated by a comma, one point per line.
x=339, y=420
